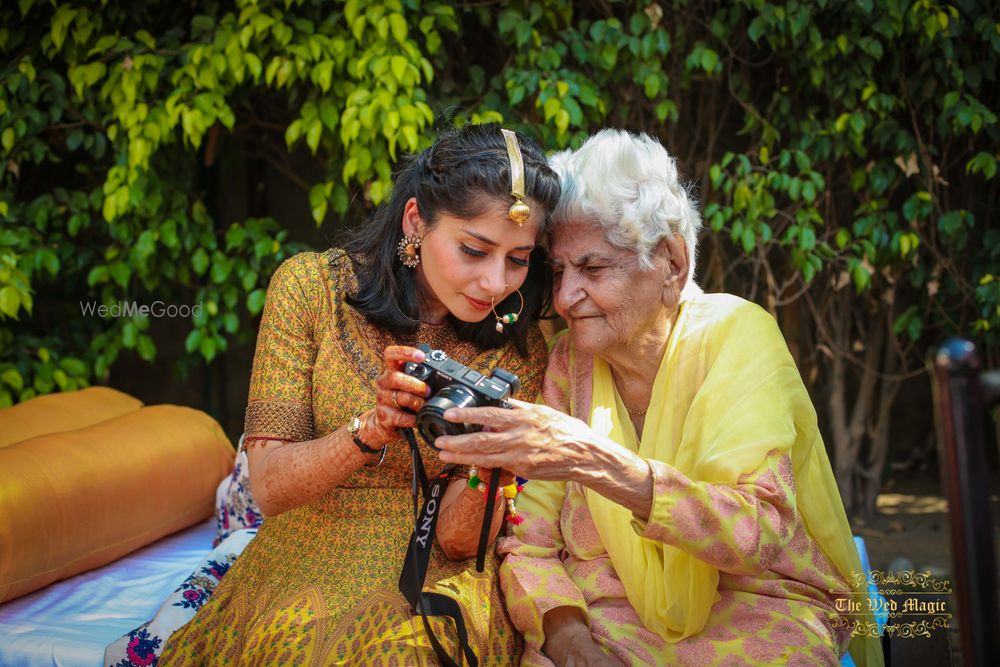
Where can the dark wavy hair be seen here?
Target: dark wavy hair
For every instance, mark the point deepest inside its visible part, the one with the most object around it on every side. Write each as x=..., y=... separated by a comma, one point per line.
x=462, y=174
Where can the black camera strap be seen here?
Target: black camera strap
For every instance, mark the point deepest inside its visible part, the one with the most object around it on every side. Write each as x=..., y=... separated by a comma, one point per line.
x=411, y=580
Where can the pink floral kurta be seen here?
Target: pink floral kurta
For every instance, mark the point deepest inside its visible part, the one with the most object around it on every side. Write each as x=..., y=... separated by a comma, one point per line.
x=777, y=588
x=774, y=606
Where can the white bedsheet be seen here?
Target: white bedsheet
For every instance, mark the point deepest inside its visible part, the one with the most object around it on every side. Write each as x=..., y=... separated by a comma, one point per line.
x=69, y=623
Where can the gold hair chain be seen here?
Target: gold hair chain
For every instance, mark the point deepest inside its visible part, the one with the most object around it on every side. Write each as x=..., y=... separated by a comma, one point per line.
x=519, y=211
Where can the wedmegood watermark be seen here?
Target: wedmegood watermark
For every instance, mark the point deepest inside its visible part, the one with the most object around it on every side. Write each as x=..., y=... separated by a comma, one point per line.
x=134, y=308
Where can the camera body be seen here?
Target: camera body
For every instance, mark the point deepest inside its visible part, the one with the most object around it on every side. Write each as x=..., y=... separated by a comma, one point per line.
x=455, y=385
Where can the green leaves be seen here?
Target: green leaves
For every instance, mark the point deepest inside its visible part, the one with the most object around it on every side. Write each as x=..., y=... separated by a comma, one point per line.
x=709, y=60
x=255, y=301
x=10, y=301
x=982, y=163
x=824, y=157
x=651, y=85
x=319, y=197
x=397, y=25
x=85, y=76
x=15, y=287
x=158, y=242
x=60, y=24
x=910, y=322
x=765, y=206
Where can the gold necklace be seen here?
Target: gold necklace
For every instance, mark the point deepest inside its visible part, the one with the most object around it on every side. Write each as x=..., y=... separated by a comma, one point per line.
x=637, y=413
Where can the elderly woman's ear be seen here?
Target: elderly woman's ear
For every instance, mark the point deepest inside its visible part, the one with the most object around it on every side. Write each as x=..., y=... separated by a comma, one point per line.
x=674, y=252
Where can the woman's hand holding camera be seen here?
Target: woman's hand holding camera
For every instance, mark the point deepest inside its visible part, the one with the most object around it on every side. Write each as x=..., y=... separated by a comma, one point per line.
x=538, y=442
x=534, y=441
x=398, y=397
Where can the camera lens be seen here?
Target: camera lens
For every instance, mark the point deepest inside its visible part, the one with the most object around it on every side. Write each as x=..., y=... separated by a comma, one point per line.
x=430, y=421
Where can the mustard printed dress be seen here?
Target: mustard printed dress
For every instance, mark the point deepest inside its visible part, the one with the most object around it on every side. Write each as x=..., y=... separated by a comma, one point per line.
x=318, y=585
x=747, y=547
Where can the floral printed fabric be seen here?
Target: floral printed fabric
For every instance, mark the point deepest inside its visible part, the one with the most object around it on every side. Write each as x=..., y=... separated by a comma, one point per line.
x=142, y=647
x=773, y=604
x=235, y=508
x=238, y=517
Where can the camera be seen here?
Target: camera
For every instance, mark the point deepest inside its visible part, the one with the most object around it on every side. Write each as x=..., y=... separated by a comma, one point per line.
x=455, y=385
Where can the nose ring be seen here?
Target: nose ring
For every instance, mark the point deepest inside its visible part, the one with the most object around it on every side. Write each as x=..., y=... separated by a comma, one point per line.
x=509, y=318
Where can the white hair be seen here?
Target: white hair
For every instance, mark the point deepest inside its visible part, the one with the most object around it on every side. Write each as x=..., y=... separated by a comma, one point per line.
x=627, y=184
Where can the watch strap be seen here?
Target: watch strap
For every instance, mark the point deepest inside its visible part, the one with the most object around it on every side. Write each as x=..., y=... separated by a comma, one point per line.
x=354, y=429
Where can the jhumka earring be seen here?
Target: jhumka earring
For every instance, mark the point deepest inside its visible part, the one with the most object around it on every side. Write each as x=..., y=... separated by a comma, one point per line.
x=509, y=318
x=519, y=212
x=408, y=250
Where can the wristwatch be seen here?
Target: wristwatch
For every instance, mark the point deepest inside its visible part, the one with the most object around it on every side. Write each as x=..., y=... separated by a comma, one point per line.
x=353, y=429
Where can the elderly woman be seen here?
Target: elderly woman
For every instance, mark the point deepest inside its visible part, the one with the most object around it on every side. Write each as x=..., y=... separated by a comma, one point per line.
x=689, y=514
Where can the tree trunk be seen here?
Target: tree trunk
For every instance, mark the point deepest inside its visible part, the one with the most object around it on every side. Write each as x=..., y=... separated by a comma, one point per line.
x=837, y=400
x=878, y=452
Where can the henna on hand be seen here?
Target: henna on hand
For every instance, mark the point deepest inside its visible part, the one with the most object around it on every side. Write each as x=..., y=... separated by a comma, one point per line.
x=462, y=520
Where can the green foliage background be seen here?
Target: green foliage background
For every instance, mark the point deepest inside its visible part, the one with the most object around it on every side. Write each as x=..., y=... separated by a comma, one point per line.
x=845, y=151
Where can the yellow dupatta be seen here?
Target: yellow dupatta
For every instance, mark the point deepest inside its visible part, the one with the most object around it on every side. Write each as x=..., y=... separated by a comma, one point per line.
x=727, y=392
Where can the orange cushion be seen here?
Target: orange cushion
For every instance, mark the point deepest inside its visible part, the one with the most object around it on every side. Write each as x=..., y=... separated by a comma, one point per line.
x=76, y=500
x=63, y=412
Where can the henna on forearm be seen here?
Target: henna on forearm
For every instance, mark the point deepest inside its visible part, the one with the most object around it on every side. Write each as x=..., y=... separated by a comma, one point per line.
x=462, y=520
x=299, y=473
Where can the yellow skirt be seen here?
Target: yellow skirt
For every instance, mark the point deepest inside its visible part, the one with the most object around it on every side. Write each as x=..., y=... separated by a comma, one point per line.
x=318, y=586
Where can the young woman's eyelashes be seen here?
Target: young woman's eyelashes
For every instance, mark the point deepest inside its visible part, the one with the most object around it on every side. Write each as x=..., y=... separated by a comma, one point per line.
x=519, y=261
x=471, y=251
x=479, y=253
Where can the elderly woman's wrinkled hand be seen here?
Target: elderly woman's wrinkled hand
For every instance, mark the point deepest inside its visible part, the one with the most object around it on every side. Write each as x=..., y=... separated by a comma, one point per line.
x=534, y=441
x=591, y=656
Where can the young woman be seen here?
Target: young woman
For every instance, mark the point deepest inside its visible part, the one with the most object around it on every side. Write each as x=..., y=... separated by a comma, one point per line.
x=449, y=261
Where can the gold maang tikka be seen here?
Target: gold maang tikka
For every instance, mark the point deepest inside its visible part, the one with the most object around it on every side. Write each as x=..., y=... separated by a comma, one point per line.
x=519, y=211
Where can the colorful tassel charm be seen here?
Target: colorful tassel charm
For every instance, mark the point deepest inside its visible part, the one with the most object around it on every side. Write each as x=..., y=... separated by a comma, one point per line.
x=512, y=515
x=508, y=492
